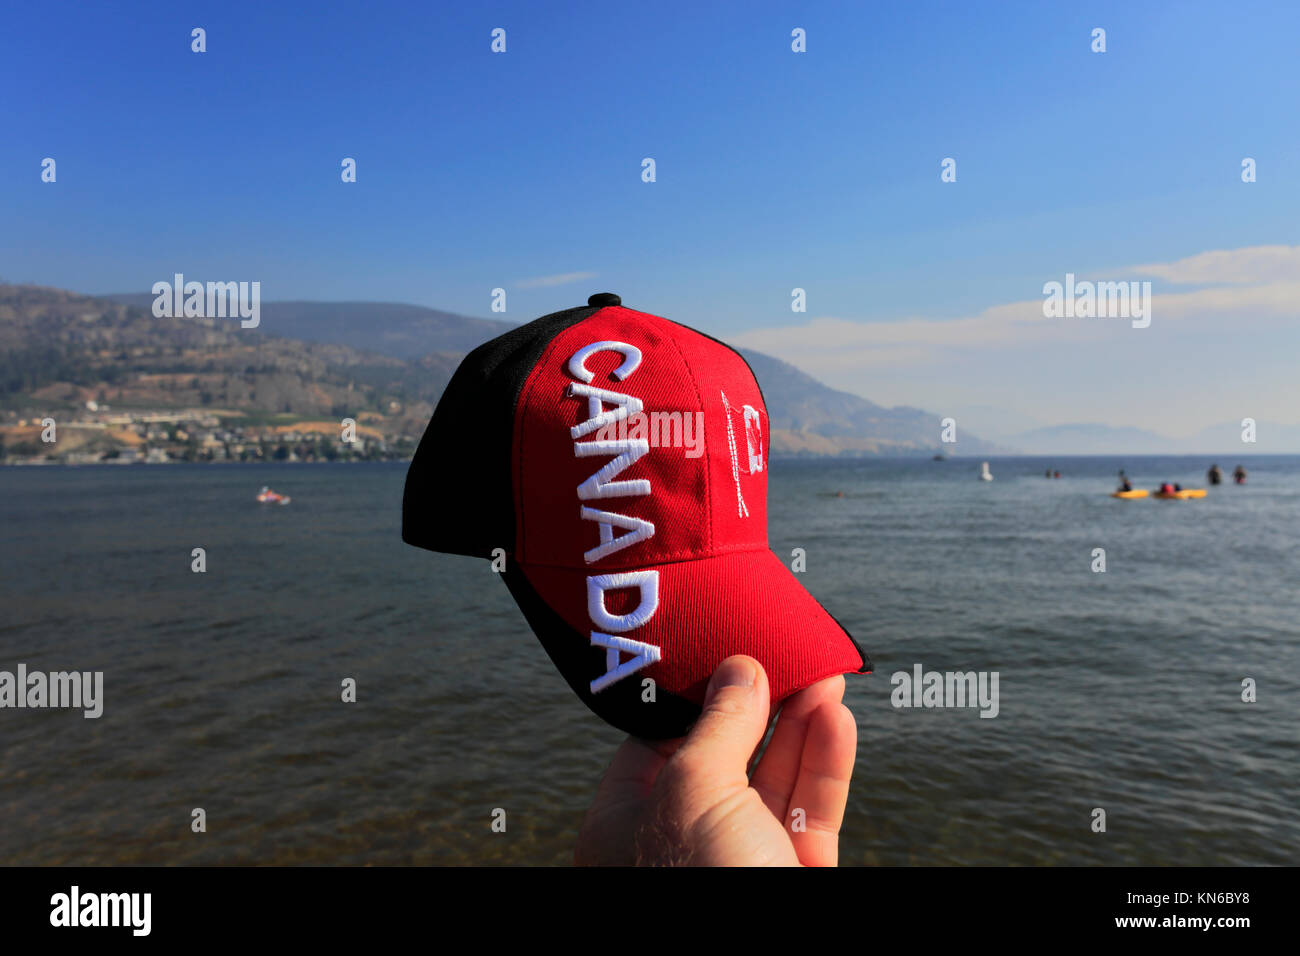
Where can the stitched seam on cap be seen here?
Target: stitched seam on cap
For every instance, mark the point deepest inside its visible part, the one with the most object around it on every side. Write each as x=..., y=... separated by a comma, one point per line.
x=708, y=491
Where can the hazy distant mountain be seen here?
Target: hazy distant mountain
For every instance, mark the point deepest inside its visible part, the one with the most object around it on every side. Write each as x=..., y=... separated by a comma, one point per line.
x=994, y=423
x=1094, y=439
x=389, y=328
x=1091, y=439
x=811, y=418
x=60, y=349
x=1225, y=438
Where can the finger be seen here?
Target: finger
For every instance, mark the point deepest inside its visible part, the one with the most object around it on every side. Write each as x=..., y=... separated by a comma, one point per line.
x=716, y=752
x=777, y=771
x=822, y=789
x=606, y=835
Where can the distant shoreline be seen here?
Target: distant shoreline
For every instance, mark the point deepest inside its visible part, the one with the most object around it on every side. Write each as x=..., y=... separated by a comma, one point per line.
x=358, y=460
x=115, y=463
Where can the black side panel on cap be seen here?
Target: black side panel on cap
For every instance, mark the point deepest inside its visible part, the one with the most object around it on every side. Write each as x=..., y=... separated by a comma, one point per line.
x=668, y=716
x=458, y=496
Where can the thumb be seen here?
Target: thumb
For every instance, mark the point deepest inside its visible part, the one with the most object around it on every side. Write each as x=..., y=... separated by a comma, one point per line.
x=733, y=721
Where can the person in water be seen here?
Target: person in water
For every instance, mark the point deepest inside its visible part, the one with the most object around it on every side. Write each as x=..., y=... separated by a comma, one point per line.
x=1214, y=475
x=1239, y=476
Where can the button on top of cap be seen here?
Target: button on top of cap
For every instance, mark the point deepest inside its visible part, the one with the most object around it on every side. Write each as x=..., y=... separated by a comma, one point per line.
x=604, y=298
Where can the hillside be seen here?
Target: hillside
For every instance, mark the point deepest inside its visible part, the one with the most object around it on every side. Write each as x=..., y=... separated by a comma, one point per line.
x=390, y=328
x=809, y=418
x=61, y=350
x=55, y=343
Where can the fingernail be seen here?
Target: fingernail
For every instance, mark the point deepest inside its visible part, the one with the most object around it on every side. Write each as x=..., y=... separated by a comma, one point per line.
x=733, y=672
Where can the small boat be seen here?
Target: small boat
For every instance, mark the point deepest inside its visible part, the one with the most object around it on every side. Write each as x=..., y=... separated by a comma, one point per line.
x=1135, y=493
x=268, y=497
x=1183, y=495
x=985, y=474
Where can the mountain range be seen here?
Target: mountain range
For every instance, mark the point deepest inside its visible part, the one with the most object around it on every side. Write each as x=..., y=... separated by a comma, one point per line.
x=389, y=328
x=391, y=361
x=1224, y=438
x=59, y=349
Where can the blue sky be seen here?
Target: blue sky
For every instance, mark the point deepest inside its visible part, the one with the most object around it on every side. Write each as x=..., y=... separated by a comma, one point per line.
x=775, y=170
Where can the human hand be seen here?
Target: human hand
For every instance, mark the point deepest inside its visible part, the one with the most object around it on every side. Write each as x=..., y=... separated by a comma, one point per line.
x=692, y=800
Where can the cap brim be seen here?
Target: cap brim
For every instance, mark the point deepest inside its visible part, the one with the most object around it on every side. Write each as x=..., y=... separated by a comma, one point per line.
x=746, y=602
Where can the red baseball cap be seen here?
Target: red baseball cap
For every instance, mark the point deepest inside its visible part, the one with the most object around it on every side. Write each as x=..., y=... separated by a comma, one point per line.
x=619, y=461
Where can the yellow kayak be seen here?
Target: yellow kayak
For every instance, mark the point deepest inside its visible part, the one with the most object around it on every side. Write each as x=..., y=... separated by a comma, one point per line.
x=1182, y=495
x=1135, y=493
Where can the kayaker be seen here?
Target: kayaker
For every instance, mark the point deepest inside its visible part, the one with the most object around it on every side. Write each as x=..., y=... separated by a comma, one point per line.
x=1214, y=475
x=1125, y=485
x=1166, y=489
x=1057, y=475
x=1239, y=476
x=1177, y=486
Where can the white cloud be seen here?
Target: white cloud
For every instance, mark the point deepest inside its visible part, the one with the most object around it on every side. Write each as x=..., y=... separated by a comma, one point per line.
x=1265, y=286
x=563, y=278
x=1249, y=265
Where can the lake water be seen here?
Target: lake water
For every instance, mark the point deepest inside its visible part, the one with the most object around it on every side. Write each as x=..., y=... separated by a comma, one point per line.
x=1120, y=690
